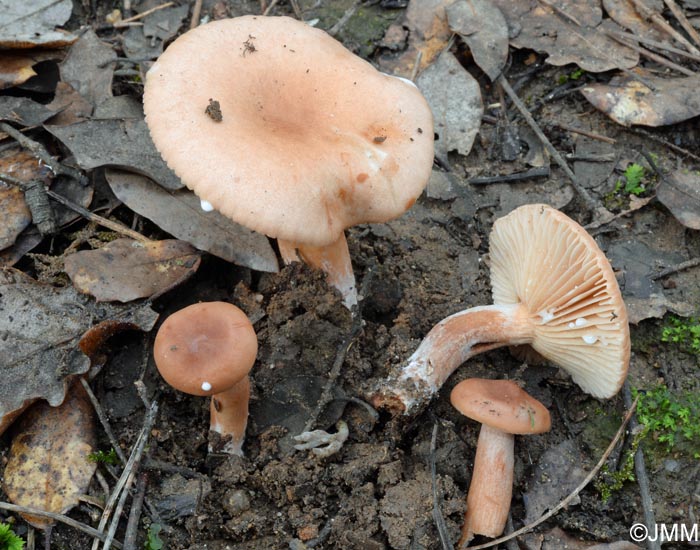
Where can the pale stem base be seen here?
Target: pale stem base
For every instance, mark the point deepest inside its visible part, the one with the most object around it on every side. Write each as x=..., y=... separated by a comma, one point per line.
x=491, y=488
x=334, y=260
x=229, y=416
x=450, y=343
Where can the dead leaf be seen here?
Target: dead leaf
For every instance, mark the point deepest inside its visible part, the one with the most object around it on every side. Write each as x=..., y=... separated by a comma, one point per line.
x=40, y=332
x=455, y=100
x=625, y=15
x=180, y=214
x=22, y=165
x=680, y=193
x=31, y=23
x=88, y=68
x=428, y=36
x=24, y=243
x=23, y=111
x=122, y=143
x=17, y=68
x=482, y=26
x=574, y=33
x=48, y=466
x=146, y=42
x=627, y=101
x=69, y=105
x=126, y=270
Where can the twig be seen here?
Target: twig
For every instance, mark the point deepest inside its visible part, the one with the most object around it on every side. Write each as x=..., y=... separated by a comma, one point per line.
x=662, y=24
x=586, y=133
x=126, y=22
x=572, y=495
x=599, y=211
x=84, y=212
x=538, y=172
x=268, y=9
x=103, y=420
x=127, y=474
x=650, y=42
x=196, y=13
x=38, y=150
x=683, y=20
x=437, y=513
x=676, y=268
x=672, y=146
x=335, y=29
x=56, y=517
x=132, y=525
x=653, y=56
x=641, y=474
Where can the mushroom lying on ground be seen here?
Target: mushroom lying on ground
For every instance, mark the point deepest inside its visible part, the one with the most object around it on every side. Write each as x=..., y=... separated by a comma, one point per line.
x=279, y=127
x=209, y=349
x=503, y=409
x=553, y=289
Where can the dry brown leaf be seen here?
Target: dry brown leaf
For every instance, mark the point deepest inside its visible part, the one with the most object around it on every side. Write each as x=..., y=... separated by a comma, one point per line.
x=624, y=14
x=627, y=101
x=556, y=539
x=21, y=165
x=680, y=193
x=40, y=338
x=180, y=214
x=574, y=32
x=31, y=23
x=126, y=270
x=48, y=466
x=483, y=27
x=17, y=68
x=428, y=36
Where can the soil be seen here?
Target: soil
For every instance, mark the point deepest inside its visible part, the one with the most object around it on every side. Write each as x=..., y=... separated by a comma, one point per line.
x=377, y=491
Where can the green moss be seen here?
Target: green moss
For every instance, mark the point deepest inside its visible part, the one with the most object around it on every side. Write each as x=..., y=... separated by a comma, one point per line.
x=683, y=332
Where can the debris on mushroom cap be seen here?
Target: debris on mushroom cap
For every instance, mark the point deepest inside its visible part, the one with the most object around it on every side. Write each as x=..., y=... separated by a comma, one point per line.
x=312, y=139
x=546, y=261
x=500, y=404
x=205, y=348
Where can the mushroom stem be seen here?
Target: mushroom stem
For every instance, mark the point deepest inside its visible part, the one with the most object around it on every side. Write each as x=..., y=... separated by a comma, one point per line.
x=449, y=344
x=229, y=416
x=491, y=488
x=333, y=259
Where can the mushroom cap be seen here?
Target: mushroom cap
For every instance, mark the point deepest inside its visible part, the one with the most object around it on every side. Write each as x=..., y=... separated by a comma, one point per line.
x=543, y=259
x=311, y=138
x=501, y=404
x=205, y=348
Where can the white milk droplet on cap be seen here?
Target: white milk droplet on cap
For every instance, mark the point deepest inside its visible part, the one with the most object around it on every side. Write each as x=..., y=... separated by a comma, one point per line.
x=206, y=386
x=206, y=206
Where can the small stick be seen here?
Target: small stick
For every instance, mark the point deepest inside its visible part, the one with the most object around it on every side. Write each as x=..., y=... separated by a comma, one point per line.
x=652, y=43
x=663, y=25
x=676, y=268
x=56, y=517
x=437, y=513
x=672, y=146
x=103, y=420
x=335, y=29
x=126, y=477
x=653, y=56
x=196, y=13
x=641, y=474
x=539, y=172
x=30, y=538
x=572, y=495
x=38, y=150
x=586, y=133
x=599, y=211
x=683, y=20
x=125, y=22
x=132, y=525
x=269, y=8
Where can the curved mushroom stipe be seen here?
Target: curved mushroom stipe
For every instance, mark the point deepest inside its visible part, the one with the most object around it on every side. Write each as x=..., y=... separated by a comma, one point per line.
x=553, y=289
